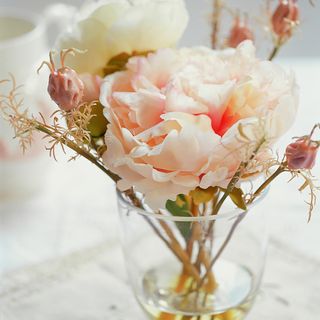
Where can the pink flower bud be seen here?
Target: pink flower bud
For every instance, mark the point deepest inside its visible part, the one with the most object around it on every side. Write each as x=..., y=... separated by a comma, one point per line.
x=301, y=154
x=285, y=17
x=92, y=85
x=239, y=33
x=65, y=88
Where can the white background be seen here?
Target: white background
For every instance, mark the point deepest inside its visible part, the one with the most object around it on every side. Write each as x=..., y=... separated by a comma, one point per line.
x=305, y=43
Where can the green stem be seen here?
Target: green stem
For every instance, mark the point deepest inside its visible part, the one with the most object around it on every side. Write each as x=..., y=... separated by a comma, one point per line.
x=276, y=49
x=274, y=52
x=266, y=183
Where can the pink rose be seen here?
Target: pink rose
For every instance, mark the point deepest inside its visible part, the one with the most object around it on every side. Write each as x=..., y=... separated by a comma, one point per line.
x=301, y=154
x=174, y=117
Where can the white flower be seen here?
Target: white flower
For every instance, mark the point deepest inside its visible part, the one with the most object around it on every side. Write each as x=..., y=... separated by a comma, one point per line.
x=110, y=27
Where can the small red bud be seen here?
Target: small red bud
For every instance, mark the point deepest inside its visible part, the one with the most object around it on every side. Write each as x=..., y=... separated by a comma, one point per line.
x=285, y=17
x=65, y=88
x=301, y=154
x=239, y=33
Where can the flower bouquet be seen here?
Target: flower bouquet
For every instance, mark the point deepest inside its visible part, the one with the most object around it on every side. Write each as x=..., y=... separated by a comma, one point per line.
x=186, y=135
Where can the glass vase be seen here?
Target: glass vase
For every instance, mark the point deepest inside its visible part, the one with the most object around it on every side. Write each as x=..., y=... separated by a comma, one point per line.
x=198, y=268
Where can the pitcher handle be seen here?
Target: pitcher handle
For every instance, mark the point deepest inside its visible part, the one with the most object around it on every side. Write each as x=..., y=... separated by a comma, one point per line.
x=58, y=17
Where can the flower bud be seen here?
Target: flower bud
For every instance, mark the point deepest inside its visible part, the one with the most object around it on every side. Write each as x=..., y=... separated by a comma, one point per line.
x=239, y=33
x=92, y=85
x=65, y=88
x=301, y=154
x=285, y=17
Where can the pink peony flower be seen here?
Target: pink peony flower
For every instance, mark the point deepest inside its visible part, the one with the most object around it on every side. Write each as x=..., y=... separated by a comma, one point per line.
x=285, y=17
x=65, y=88
x=175, y=116
x=301, y=154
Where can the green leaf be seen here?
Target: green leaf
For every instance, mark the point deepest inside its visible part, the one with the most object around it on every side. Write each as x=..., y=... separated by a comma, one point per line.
x=200, y=195
x=118, y=63
x=237, y=196
x=180, y=208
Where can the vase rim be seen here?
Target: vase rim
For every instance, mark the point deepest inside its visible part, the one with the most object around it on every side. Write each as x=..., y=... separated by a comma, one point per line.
x=225, y=215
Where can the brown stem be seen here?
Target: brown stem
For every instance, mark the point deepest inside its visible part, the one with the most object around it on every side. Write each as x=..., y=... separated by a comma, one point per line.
x=266, y=183
x=70, y=144
x=275, y=49
x=180, y=252
x=194, y=230
x=202, y=254
x=211, y=284
x=240, y=218
x=174, y=245
x=217, y=9
x=231, y=185
x=223, y=246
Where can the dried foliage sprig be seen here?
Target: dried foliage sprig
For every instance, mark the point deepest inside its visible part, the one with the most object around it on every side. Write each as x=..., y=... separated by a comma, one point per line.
x=76, y=137
x=309, y=182
x=10, y=107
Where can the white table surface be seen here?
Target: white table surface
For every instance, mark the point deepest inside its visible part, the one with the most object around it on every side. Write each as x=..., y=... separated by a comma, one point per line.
x=60, y=258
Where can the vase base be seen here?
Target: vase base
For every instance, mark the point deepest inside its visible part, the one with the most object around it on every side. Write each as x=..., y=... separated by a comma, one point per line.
x=231, y=300
x=237, y=313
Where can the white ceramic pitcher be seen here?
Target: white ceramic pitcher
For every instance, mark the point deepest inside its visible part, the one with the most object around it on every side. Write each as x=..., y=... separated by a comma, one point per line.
x=23, y=44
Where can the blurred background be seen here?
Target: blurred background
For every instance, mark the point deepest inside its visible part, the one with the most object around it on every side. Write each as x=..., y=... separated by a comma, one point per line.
x=64, y=220
x=304, y=43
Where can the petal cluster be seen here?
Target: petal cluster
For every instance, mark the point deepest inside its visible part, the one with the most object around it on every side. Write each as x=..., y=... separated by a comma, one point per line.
x=184, y=118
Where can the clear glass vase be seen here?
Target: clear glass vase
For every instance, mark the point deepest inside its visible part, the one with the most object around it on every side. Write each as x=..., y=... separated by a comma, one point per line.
x=198, y=268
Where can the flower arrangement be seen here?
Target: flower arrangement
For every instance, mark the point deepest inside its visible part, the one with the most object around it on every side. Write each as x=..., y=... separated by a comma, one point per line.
x=182, y=132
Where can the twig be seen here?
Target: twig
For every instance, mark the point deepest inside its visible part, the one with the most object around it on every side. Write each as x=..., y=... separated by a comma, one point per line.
x=216, y=17
x=174, y=245
x=274, y=52
x=266, y=183
x=180, y=253
x=239, y=219
x=223, y=246
x=70, y=144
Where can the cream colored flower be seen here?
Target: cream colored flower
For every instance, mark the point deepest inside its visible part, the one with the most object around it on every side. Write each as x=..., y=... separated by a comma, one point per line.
x=186, y=118
x=110, y=27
